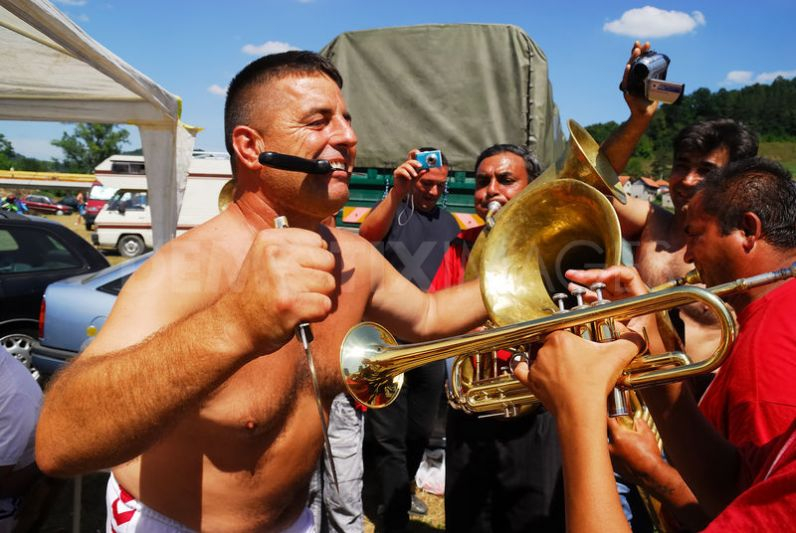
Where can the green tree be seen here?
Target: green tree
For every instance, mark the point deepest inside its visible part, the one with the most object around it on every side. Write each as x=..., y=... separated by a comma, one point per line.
x=7, y=153
x=90, y=144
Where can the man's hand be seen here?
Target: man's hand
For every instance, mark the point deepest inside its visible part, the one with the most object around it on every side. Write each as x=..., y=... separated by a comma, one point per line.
x=286, y=278
x=638, y=105
x=569, y=371
x=634, y=451
x=406, y=173
x=620, y=281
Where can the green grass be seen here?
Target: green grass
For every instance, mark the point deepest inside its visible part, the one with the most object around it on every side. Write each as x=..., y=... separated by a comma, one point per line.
x=782, y=151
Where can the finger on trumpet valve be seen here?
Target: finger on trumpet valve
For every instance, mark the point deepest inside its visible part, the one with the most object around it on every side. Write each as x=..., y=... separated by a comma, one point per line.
x=517, y=358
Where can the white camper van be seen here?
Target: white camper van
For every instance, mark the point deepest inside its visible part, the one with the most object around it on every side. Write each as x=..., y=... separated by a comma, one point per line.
x=125, y=222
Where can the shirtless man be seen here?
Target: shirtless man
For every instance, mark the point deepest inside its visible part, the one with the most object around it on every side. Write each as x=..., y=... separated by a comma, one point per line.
x=656, y=234
x=195, y=392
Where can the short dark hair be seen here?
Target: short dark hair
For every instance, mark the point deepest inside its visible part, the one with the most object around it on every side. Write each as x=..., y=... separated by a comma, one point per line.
x=532, y=165
x=431, y=149
x=757, y=185
x=237, y=109
x=706, y=136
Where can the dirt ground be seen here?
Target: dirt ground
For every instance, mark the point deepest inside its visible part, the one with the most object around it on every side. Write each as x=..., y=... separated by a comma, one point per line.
x=92, y=487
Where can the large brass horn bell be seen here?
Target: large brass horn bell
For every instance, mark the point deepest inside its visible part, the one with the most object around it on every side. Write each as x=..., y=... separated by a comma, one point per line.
x=226, y=195
x=582, y=161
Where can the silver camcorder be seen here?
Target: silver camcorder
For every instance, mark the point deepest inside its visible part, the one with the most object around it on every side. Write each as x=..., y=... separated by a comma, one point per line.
x=430, y=159
x=647, y=78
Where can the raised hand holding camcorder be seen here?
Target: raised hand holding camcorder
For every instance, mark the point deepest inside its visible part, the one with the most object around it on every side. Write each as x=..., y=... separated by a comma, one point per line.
x=647, y=78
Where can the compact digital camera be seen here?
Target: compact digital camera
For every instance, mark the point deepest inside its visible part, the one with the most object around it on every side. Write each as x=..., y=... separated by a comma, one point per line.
x=430, y=159
x=647, y=78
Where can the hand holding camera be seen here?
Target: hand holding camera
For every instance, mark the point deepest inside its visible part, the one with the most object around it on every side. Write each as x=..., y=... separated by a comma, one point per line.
x=418, y=163
x=645, y=76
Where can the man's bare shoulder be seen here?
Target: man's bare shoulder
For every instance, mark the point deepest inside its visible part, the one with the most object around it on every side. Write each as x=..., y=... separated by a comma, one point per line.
x=660, y=222
x=187, y=274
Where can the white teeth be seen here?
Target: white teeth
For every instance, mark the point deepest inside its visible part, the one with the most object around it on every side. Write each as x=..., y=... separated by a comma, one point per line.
x=338, y=165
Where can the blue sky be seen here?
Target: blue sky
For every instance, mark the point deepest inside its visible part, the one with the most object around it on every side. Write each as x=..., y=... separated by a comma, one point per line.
x=193, y=48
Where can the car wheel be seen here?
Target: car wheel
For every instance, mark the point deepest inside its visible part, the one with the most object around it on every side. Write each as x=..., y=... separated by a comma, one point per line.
x=59, y=212
x=130, y=246
x=19, y=344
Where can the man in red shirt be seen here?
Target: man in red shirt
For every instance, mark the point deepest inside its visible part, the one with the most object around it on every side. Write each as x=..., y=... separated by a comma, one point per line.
x=742, y=223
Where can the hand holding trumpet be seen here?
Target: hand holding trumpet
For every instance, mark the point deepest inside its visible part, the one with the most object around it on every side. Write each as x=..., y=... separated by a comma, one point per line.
x=570, y=373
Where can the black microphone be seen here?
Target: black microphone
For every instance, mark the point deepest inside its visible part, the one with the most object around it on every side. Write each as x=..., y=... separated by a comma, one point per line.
x=295, y=163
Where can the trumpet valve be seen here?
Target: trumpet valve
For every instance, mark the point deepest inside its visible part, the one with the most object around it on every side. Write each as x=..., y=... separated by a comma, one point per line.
x=604, y=329
x=560, y=298
x=618, y=403
x=582, y=330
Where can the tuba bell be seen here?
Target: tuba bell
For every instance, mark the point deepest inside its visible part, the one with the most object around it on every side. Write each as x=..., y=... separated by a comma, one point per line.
x=571, y=225
x=582, y=161
x=226, y=195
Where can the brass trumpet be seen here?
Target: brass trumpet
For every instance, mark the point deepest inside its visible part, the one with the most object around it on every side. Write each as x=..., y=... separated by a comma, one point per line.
x=372, y=362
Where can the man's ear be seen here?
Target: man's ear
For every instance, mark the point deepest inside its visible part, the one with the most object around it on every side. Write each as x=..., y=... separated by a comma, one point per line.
x=247, y=144
x=752, y=228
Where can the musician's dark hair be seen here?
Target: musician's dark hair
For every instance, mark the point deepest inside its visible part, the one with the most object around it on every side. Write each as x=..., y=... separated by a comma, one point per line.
x=532, y=165
x=239, y=104
x=704, y=137
x=757, y=185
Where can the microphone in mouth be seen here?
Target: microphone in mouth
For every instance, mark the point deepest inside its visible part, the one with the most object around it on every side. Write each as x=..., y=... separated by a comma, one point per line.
x=295, y=163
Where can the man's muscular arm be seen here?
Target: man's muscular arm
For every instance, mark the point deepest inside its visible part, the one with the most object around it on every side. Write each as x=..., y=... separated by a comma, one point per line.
x=636, y=457
x=119, y=397
x=414, y=315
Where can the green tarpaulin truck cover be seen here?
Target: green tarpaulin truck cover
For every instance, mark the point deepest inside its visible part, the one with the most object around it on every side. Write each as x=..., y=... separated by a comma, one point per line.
x=457, y=87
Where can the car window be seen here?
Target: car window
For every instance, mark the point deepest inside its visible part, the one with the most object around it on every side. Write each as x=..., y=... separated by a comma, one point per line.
x=130, y=200
x=114, y=287
x=33, y=250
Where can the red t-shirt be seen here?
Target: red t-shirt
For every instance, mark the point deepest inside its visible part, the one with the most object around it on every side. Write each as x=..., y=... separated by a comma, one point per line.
x=752, y=400
x=451, y=271
x=770, y=503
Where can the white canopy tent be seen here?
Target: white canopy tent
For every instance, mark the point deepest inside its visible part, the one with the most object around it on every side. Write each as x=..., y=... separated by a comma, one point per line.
x=51, y=70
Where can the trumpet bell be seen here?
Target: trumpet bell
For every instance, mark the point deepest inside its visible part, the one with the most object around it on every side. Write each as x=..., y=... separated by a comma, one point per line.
x=368, y=381
x=553, y=227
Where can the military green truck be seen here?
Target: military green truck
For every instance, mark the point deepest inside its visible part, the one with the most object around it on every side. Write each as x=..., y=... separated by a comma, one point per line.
x=458, y=87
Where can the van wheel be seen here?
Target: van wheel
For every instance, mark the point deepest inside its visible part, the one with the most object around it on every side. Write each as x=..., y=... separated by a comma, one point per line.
x=130, y=246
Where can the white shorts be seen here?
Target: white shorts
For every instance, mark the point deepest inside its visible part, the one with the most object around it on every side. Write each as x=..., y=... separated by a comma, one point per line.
x=128, y=515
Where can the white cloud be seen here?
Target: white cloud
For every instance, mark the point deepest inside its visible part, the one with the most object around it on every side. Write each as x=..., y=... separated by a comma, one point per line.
x=768, y=77
x=739, y=76
x=217, y=89
x=82, y=17
x=649, y=22
x=747, y=77
x=71, y=2
x=268, y=47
